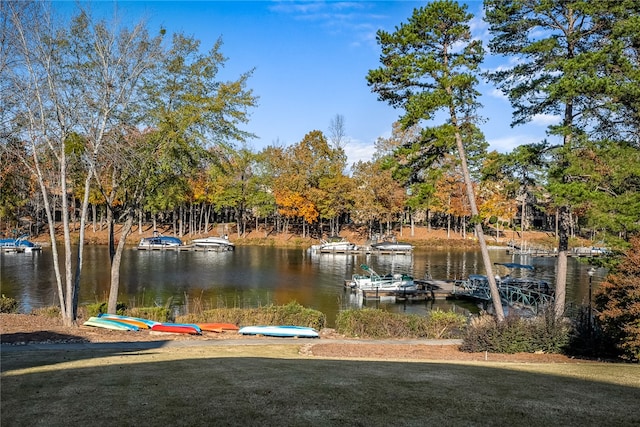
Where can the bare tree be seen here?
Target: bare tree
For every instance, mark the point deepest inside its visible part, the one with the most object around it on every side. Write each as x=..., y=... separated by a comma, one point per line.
x=72, y=83
x=338, y=132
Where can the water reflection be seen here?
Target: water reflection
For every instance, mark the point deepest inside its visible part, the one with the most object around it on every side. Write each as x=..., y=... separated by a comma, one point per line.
x=254, y=276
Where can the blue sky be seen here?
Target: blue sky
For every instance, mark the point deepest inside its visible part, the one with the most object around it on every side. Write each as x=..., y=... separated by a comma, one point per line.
x=311, y=60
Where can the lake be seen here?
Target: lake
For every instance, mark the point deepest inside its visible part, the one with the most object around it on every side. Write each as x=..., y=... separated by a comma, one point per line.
x=253, y=276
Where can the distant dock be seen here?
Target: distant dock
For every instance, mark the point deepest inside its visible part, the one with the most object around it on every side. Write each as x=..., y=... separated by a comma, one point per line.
x=363, y=251
x=185, y=248
x=579, y=252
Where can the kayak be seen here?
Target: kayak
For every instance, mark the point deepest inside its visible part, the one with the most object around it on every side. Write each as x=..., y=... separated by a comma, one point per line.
x=118, y=317
x=217, y=327
x=280, y=331
x=140, y=325
x=99, y=322
x=176, y=328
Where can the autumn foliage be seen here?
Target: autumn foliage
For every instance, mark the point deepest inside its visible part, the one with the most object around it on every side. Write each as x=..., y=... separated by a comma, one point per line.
x=618, y=304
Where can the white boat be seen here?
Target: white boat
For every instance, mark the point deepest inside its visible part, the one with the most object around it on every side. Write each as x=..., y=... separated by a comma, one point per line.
x=336, y=245
x=159, y=242
x=214, y=242
x=392, y=246
x=372, y=281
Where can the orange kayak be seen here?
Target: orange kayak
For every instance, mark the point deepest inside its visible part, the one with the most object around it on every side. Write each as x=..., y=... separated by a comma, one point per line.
x=218, y=327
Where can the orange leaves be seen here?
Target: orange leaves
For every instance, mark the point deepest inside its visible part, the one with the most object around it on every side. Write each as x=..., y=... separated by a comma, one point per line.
x=292, y=205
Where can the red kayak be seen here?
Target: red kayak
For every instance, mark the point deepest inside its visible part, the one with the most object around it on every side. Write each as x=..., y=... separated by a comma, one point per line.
x=217, y=327
x=176, y=329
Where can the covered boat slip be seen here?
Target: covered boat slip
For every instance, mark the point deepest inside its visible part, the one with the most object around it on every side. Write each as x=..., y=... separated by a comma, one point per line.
x=527, y=293
x=21, y=244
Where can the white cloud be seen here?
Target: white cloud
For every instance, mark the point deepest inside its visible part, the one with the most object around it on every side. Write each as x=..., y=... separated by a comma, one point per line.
x=358, y=151
x=508, y=143
x=497, y=93
x=545, y=119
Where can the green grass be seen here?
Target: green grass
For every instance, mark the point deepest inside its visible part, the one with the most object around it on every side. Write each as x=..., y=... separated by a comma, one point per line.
x=274, y=385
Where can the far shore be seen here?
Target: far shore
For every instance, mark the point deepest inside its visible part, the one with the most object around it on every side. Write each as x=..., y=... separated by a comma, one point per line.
x=420, y=237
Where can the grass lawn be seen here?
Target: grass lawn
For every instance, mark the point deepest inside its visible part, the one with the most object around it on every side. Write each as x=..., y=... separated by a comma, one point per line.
x=274, y=385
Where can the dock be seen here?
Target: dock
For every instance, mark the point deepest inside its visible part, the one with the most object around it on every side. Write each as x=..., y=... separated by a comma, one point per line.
x=185, y=248
x=428, y=290
x=12, y=249
x=578, y=252
x=513, y=296
x=364, y=251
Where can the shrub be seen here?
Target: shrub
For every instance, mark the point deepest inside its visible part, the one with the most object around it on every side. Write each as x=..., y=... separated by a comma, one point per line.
x=157, y=314
x=8, y=305
x=50, y=311
x=101, y=307
x=445, y=324
x=374, y=323
x=587, y=337
x=517, y=335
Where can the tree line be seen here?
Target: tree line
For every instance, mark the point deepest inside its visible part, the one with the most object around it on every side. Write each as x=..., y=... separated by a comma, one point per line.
x=113, y=123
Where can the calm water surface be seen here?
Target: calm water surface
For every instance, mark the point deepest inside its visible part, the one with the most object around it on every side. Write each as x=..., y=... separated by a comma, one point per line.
x=254, y=276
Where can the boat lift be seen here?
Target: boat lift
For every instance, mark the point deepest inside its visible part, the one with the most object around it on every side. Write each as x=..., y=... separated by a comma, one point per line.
x=477, y=287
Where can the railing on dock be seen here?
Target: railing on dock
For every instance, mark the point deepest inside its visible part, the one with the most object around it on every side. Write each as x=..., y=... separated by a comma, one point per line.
x=513, y=296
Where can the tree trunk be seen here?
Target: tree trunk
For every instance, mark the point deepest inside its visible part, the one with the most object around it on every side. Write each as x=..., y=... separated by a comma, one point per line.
x=413, y=226
x=79, y=259
x=175, y=224
x=522, y=214
x=67, y=314
x=493, y=287
x=561, y=265
x=52, y=234
x=206, y=219
x=111, y=233
x=115, y=264
x=94, y=214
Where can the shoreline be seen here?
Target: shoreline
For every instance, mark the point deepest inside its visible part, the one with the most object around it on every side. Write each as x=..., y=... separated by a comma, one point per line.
x=421, y=238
